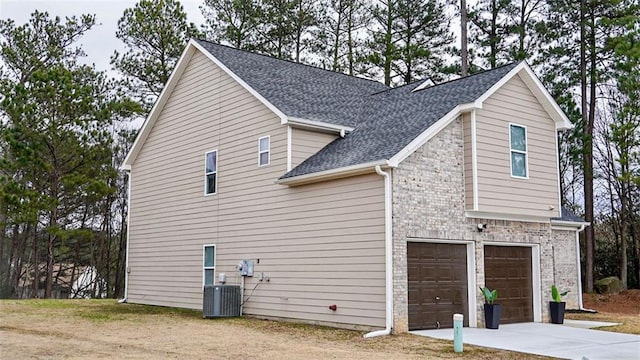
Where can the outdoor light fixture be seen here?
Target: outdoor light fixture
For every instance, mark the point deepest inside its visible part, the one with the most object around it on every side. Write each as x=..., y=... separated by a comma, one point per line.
x=481, y=227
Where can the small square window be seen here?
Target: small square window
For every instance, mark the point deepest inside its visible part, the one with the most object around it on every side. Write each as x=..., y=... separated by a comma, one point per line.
x=264, y=148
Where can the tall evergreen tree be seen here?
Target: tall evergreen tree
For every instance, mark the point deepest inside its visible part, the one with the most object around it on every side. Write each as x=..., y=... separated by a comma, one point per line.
x=578, y=56
x=155, y=34
x=337, y=39
x=235, y=22
x=491, y=31
x=409, y=40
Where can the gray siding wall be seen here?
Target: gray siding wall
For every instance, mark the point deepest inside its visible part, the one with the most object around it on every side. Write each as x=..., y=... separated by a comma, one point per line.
x=429, y=205
x=498, y=191
x=305, y=143
x=319, y=244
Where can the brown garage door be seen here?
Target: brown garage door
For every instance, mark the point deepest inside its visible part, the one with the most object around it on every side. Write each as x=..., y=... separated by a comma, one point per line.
x=508, y=269
x=437, y=275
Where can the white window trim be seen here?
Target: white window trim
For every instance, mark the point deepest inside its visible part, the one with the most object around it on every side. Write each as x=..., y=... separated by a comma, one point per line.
x=209, y=267
x=213, y=172
x=526, y=152
x=268, y=151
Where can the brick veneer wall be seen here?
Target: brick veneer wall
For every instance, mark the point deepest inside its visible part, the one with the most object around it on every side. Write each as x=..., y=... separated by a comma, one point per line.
x=428, y=204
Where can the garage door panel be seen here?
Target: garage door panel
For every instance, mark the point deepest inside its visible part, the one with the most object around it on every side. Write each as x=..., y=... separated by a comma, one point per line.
x=437, y=284
x=508, y=270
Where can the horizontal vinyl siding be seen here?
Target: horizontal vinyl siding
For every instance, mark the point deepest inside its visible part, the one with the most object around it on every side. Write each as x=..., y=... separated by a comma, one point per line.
x=319, y=244
x=305, y=143
x=498, y=192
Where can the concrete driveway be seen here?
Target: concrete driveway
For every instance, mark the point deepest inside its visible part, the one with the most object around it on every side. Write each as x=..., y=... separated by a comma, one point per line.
x=562, y=341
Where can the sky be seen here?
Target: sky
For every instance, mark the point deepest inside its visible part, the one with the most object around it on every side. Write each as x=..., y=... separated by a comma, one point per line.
x=100, y=42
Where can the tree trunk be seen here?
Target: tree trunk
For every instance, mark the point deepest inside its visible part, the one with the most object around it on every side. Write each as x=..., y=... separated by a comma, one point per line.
x=51, y=239
x=493, y=40
x=464, y=54
x=587, y=155
x=350, y=61
x=388, y=41
x=36, y=263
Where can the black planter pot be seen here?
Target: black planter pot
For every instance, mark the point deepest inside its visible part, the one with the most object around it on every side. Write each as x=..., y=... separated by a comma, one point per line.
x=557, y=312
x=492, y=315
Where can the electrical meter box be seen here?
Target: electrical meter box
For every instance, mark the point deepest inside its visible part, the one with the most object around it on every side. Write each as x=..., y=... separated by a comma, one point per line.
x=246, y=268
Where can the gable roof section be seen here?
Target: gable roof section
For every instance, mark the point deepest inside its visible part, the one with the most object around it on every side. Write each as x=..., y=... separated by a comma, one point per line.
x=391, y=120
x=294, y=92
x=396, y=122
x=385, y=125
x=298, y=90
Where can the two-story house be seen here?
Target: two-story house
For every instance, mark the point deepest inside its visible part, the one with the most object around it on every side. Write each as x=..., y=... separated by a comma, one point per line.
x=393, y=205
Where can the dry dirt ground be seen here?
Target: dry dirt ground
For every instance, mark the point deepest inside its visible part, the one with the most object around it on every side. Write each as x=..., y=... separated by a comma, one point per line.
x=623, y=308
x=103, y=329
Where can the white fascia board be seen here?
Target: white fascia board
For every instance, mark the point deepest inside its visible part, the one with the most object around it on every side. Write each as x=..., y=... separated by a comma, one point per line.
x=318, y=125
x=568, y=224
x=159, y=104
x=333, y=173
x=429, y=133
x=235, y=77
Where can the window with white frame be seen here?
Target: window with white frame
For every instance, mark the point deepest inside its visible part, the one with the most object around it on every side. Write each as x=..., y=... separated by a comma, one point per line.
x=264, y=148
x=518, y=140
x=209, y=265
x=211, y=172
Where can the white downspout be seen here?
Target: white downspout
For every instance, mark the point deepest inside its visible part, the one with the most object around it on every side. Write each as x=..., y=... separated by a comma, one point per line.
x=388, y=242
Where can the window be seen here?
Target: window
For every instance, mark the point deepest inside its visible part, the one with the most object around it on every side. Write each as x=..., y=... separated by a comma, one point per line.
x=263, y=151
x=209, y=265
x=518, y=140
x=211, y=172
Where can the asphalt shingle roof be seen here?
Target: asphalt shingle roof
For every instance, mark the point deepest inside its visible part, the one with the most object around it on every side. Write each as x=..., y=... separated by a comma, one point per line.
x=299, y=90
x=385, y=120
x=569, y=216
x=390, y=120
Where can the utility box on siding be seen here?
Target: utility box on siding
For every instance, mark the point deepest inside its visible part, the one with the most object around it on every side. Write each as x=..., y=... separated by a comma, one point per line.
x=221, y=301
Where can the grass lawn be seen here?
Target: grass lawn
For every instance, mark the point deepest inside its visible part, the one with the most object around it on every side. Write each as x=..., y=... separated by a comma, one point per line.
x=622, y=308
x=104, y=329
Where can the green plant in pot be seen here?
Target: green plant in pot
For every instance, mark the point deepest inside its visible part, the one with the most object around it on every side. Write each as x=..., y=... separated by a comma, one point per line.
x=557, y=306
x=492, y=311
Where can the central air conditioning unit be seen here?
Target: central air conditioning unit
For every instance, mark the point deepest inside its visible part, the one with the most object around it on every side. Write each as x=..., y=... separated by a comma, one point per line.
x=221, y=301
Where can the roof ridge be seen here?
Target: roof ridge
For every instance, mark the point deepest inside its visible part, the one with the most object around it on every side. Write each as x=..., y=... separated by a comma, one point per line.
x=291, y=62
x=448, y=81
x=470, y=75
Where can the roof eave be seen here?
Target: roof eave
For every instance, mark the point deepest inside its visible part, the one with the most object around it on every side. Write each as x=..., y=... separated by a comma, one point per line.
x=333, y=174
x=316, y=125
x=571, y=224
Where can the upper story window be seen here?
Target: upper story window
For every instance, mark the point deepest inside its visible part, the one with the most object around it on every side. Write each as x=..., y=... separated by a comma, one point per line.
x=518, y=140
x=264, y=149
x=211, y=172
x=209, y=265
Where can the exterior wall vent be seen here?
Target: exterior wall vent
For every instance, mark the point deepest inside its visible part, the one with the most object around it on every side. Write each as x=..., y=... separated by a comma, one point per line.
x=221, y=301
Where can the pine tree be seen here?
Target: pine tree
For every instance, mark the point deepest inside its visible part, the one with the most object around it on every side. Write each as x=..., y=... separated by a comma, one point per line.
x=408, y=41
x=155, y=34
x=235, y=22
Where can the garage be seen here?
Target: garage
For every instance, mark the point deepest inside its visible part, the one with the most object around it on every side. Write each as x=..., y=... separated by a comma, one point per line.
x=508, y=270
x=438, y=287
